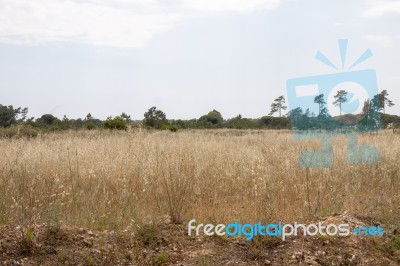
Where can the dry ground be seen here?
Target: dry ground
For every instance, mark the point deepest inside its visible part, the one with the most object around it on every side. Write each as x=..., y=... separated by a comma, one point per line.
x=168, y=244
x=109, y=198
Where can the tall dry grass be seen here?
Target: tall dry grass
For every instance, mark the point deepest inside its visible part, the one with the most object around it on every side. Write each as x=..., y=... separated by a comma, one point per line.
x=119, y=180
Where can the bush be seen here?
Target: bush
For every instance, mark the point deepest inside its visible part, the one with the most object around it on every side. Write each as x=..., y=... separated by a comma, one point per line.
x=172, y=128
x=15, y=132
x=162, y=258
x=28, y=132
x=392, y=247
x=90, y=126
x=148, y=235
x=115, y=123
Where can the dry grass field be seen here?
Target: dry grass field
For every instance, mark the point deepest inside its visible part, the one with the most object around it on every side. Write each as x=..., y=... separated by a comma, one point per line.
x=123, y=181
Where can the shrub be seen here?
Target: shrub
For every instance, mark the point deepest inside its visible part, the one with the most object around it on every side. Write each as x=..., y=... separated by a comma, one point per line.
x=115, y=123
x=28, y=132
x=203, y=260
x=8, y=132
x=148, y=235
x=162, y=258
x=392, y=247
x=15, y=132
x=172, y=128
x=90, y=126
x=258, y=245
x=26, y=244
x=54, y=127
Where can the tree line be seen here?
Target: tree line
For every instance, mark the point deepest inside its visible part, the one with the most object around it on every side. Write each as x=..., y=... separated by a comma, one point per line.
x=378, y=103
x=153, y=118
x=372, y=117
x=157, y=119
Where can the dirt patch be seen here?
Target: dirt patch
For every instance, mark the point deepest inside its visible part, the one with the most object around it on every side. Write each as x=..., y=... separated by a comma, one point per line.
x=169, y=244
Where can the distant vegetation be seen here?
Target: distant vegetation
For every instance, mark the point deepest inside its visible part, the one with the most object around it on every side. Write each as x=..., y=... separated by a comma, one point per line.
x=14, y=119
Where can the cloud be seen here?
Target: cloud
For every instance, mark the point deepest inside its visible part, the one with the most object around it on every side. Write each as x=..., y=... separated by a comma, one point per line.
x=380, y=8
x=383, y=40
x=230, y=5
x=37, y=22
x=113, y=23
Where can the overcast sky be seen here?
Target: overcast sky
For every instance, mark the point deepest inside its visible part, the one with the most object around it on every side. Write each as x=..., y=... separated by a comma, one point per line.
x=187, y=57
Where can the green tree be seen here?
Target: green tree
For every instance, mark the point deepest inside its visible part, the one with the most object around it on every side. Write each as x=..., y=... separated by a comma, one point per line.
x=384, y=101
x=126, y=117
x=236, y=122
x=366, y=107
x=47, y=120
x=88, y=117
x=155, y=118
x=295, y=116
x=371, y=119
x=375, y=103
x=213, y=119
x=21, y=114
x=275, y=122
x=65, y=123
x=7, y=116
x=340, y=98
x=278, y=105
x=321, y=103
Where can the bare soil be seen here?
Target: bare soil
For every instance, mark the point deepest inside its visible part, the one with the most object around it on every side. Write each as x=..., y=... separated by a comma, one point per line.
x=169, y=244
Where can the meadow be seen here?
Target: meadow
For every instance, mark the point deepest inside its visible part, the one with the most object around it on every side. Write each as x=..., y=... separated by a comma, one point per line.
x=113, y=180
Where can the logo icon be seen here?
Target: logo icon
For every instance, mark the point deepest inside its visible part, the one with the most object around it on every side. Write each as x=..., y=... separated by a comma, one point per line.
x=329, y=105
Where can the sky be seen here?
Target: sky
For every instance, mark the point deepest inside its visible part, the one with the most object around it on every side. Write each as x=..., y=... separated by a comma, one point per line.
x=186, y=57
